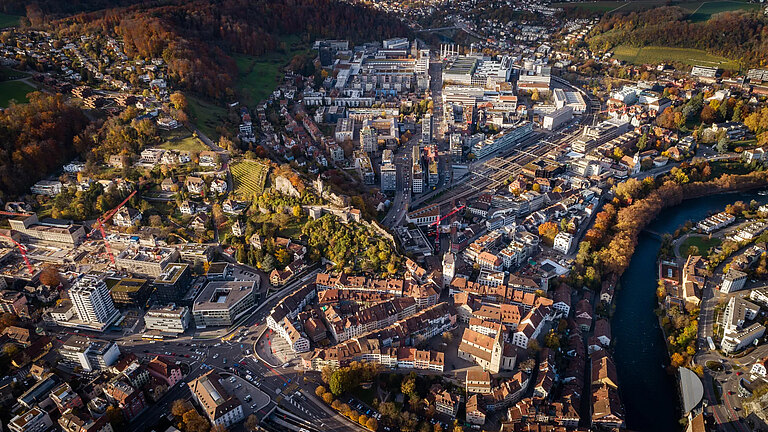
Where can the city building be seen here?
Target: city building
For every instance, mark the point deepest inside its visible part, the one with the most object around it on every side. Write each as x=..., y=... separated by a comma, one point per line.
x=563, y=242
x=88, y=353
x=129, y=292
x=33, y=420
x=145, y=261
x=167, y=319
x=172, y=283
x=130, y=400
x=219, y=406
x=487, y=351
x=733, y=281
x=165, y=370
x=221, y=303
x=91, y=303
x=388, y=177
x=53, y=230
x=557, y=118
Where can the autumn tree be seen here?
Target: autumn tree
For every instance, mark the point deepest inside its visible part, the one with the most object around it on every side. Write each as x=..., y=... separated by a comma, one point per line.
x=50, y=276
x=252, y=423
x=548, y=231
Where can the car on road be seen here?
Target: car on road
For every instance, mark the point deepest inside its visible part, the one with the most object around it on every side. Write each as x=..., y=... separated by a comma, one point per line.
x=215, y=356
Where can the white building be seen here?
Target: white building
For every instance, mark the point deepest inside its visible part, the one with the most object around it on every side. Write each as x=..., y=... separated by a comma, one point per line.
x=733, y=281
x=557, y=118
x=563, y=242
x=92, y=302
x=34, y=420
x=167, y=319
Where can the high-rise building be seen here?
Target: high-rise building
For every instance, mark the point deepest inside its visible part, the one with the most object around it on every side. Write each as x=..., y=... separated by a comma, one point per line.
x=368, y=139
x=426, y=128
x=388, y=177
x=92, y=302
x=456, y=150
x=417, y=171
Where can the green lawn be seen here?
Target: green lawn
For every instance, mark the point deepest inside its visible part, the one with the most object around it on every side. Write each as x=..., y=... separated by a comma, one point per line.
x=14, y=90
x=704, y=243
x=708, y=9
x=658, y=54
x=259, y=75
x=8, y=20
x=206, y=116
x=249, y=178
x=182, y=140
x=10, y=74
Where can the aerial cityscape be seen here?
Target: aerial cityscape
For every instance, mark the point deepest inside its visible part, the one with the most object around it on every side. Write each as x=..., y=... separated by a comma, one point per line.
x=352, y=215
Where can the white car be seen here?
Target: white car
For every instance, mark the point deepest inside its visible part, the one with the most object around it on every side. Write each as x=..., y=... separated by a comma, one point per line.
x=215, y=356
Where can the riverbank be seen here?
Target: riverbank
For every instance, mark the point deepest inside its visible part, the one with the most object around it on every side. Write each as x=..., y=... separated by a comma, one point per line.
x=649, y=393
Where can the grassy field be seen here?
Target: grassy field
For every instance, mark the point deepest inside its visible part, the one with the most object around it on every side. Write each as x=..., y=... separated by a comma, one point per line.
x=259, y=75
x=14, y=90
x=707, y=9
x=249, y=178
x=657, y=54
x=182, y=140
x=8, y=20
x=10, y=74
x=701, y=242
x=206, y=116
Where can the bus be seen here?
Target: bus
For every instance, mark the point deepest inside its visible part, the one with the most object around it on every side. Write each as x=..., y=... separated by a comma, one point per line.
x=711, y=343
x=152, y=337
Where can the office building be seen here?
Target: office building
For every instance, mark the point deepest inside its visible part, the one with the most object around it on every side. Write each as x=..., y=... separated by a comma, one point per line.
x=388, y=177
x=89, y=353
x=172, y=283
x=129, y=292
x=426, y=129
x=557, y=118
x=221, y=303
x=146, y=261
x=53, y=230
x=167, y=319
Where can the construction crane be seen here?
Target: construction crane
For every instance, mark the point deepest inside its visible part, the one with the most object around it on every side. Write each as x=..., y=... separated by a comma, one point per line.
x=99, y=225
x=22, y=251
x=21, y=247
x=436, y=224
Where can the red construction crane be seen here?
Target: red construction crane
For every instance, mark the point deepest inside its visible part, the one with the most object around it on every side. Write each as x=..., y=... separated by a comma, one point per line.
x=103, y=219
x=440, y=219
x=22, y=251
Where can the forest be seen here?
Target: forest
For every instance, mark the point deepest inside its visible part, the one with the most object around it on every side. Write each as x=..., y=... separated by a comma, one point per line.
x=740, y=36
x=37, y=138
x=196, y=37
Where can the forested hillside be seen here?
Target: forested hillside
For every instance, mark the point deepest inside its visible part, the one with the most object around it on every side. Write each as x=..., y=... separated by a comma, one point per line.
x=195, y=37
x=741, y=36
x=37, y=138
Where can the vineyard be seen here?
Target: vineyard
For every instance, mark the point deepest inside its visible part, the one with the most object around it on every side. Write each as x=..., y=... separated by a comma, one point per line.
x=249, y=178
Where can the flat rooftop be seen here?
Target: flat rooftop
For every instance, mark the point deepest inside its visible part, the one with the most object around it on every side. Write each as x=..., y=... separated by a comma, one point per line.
x=223, y=294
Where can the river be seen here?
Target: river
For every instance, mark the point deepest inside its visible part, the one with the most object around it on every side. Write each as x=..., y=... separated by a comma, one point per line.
x=649, y=394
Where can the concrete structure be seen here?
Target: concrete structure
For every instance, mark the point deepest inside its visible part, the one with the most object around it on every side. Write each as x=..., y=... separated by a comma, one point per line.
x=167, y=319
x=172, y=283
x=557, y=118
x=89, y=354
x=733, y=281
x=563, y=242
x=92, y=302
x=146, y=261
x=34, y=420
x=53, y=230
x=221, y=303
